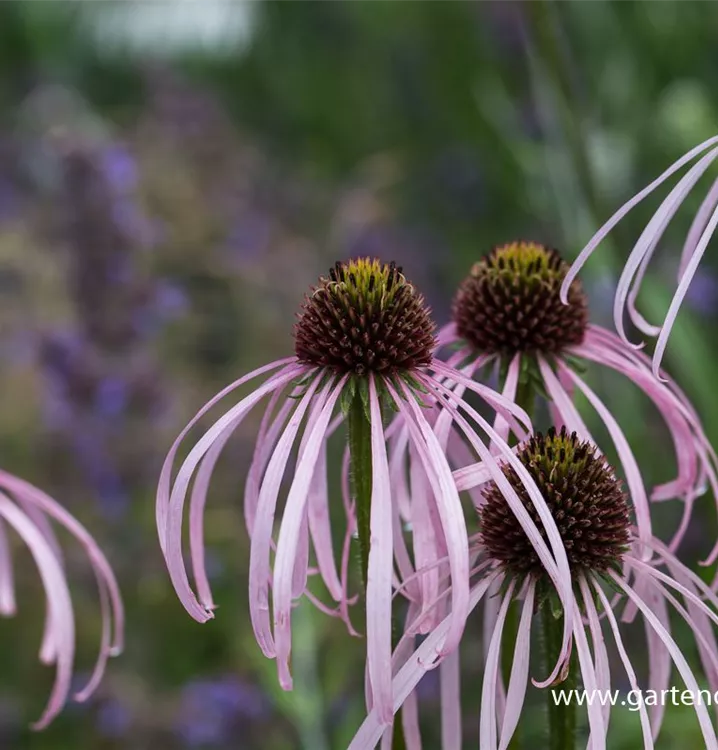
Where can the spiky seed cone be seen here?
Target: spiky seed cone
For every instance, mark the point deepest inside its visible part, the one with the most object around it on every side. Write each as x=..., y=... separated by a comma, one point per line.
x=365, y=317
x=510, y=302
x=584, y=496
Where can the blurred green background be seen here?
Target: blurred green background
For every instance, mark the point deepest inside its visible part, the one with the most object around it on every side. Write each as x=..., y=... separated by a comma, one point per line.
x=174, y=175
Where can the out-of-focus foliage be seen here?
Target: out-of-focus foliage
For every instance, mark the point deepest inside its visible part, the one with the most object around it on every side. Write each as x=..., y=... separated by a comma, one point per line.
x=174, y=175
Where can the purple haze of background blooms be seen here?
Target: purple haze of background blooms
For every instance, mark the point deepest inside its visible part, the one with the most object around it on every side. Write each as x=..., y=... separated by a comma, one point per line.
x=101, y=373
x=701, y=231
x=211, y=710
x=305, y=520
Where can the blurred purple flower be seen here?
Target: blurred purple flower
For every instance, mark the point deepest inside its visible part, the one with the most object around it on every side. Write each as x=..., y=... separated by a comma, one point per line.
x=210, y=709
x=9, y=200
x=111, y=396
x=249, y=236
x=702, y=295
x=113, y=719
x=119, y=168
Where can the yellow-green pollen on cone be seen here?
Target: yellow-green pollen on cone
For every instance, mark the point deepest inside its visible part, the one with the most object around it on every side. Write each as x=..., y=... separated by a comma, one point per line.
x=510, y=302
x=365, y=317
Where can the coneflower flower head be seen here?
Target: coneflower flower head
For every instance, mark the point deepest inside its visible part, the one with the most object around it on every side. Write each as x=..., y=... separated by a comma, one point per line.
x=592, y=514
x=510, y=303
x=510, y=310
x=364, y=350
x=365, y=317
x=584, y=496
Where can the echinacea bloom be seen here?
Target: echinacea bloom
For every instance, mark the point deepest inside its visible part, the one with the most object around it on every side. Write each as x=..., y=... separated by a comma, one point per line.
x=508, y=311
x=29, y=512
x=608, y=573
x=364, y=345
x=699, y=235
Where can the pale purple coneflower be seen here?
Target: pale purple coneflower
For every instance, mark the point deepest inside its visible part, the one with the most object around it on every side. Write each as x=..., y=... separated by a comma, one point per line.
x=364, y=345
x=508, y=312
x=694, y=247
x=29, y=512
x=608, y=572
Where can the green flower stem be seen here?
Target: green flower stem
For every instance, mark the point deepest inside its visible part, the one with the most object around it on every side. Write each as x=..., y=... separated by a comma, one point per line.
x=561, y=717
x=360, y=466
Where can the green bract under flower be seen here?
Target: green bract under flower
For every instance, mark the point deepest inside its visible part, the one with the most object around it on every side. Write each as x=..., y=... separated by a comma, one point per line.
x=365, y=317
x=510, y=302
x=584, y=496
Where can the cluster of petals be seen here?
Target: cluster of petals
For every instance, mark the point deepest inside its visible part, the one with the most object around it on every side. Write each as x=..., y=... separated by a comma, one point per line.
x=437, y=445
x=697, y=240
x=30, y=514
x=302, y=413
x=649, y=590
x=696, y=461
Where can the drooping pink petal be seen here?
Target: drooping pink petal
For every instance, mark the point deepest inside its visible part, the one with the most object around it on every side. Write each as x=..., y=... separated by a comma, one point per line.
x=681, y=292
x=659, y=658
x=518, y=680
x=515, y=415
x=596, y=724
x=487, y=721
x=608, y=226
x=607, y=350
x=448, y=506
x=397, y=470
x=42, y=522
x=696, y=581
x=320, y=527
x=603, y=672
x=634, y=480
x=450, y=681
x=410, y=709
x=447, y=335
x=630, y=672
x=346, y=547
x=698, y=620
x=164, y=485
x=259, y=563
x=7, y=585
x=113, y=617
x=379, y=584
x=301, y=558
x=408, y=677
x=501, y=426
x=556, y=418
x=58, y=601
x=288, y=540
x=556, y=564
x=698, y=225
x=424, y=535
x=170, y=505
x=563, y=403
x=269, y=431
x=492, y=605
x=397, y=480
x=679, y=660
x=106, y=649
x=474, y=475
x=646, y=245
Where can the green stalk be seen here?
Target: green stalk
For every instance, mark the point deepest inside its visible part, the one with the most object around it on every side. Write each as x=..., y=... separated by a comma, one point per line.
x=360, y=464
x=561, y=717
